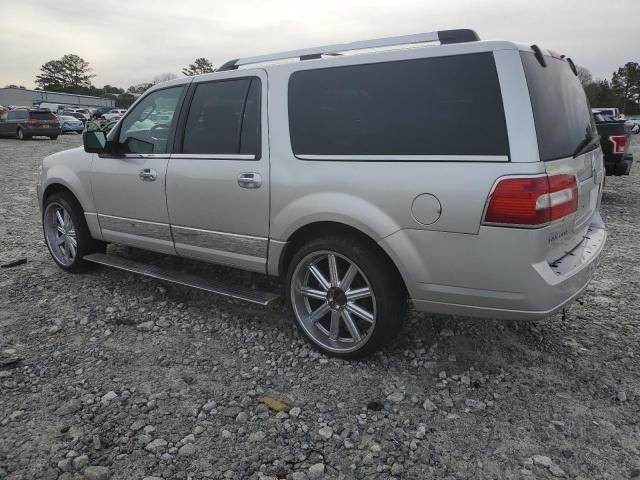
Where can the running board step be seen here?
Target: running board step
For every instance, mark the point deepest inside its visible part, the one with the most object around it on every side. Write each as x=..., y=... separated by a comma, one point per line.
x=212, y=285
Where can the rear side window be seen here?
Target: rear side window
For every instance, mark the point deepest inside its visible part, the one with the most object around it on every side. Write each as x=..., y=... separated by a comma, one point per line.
x=224, y=118
x=18, y=115
x=433, y=106
x=560, y=107
x=42, y=115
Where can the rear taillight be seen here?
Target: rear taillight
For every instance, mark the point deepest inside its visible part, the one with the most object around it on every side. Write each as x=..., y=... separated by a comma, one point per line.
x=618, y=143
x=532, y=201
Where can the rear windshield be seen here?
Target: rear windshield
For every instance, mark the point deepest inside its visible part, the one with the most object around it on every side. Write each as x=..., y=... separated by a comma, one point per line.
x=560, y=107
x=429, y=106
x=42, y=115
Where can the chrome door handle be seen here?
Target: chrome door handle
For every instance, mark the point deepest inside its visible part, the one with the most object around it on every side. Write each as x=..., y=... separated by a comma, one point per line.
x=250, y=180
x=148, y=175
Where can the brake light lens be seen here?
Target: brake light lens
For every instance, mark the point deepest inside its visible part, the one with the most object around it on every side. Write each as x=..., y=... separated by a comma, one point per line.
x=618, y=142
x=532, y=201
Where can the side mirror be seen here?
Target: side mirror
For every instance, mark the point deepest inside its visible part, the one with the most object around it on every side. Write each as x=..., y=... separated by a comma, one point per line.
x=95, y=141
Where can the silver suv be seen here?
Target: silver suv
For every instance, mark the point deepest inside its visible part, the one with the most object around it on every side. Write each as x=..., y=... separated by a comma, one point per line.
x=464, y=175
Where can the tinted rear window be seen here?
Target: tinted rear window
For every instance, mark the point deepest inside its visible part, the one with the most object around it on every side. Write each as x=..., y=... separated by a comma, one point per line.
x=42, y=115
x=18, y=115
x=560, y=107
x=433, y=106
x=224, y=118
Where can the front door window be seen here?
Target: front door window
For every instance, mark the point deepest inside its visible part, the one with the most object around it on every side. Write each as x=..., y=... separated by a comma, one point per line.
x=146, y=128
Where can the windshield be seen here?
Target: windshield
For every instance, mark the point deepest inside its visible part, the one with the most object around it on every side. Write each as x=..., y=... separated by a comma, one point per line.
x=560, y=107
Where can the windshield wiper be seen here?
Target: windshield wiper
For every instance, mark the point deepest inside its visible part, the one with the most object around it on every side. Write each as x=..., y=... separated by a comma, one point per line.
x=586, y=145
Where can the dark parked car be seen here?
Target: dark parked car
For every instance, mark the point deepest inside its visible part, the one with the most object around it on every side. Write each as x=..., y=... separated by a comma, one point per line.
x=100, y=112
x=25, y=124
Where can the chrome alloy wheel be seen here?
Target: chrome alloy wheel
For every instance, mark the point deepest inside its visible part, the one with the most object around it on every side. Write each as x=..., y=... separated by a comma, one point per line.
x=333, y=301
x=60, y=234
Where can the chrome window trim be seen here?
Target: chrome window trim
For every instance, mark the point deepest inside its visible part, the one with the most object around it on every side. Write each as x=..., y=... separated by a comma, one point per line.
x=146, y=155
x=214, y=156
x=408, y=158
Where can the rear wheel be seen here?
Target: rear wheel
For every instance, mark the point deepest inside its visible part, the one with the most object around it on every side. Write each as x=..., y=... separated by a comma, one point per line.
x=20, y=134
x=53, y=137
x=66, y=232
x=345, y=296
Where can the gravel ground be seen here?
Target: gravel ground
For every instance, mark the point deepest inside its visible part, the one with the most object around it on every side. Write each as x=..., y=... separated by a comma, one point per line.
x=110, y=375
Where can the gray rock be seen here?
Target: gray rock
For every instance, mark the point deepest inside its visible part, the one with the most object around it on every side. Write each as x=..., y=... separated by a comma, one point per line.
x=242, y=417
x=396, y=397
x=622, y=396
x=15, y=415
x=556, y=471
x=163, y=322
x=97, y=473
x=429, y=406
x=299, y=476
x=295, y=412
x=156, y=445
x=66, y=465
x=107, y=397
x=152, y=478
x=326, y=432
x=72, y=406
x=256, y=437
x=137, y=425
x=542, y=460
x=421, y=432
x=187, y=450
x=397, y=469
x=476, y=404
x=207, y=407
x=146, y=326
x=80, y=462
x=316, y=471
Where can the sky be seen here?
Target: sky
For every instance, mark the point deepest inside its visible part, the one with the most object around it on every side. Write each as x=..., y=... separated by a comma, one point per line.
x=131, y=41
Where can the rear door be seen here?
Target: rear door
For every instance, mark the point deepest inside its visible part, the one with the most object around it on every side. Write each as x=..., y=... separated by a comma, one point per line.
x=218, y=177
x=568, y=141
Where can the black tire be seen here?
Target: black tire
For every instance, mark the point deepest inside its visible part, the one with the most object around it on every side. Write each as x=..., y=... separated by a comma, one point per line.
x=20, y=135
x=384, y=280
x=85, y=243
x=53, y=137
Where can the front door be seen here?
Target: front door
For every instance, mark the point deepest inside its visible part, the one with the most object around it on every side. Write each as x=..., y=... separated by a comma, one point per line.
x=129, y=188
x=218, y=178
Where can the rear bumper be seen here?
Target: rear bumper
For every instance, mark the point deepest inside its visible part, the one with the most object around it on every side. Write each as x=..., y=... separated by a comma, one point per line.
x=490, y=275
x=42, y=132
x=618, y=164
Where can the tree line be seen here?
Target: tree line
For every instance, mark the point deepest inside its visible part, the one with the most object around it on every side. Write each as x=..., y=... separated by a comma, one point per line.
x=622, y=91
x=72, y=74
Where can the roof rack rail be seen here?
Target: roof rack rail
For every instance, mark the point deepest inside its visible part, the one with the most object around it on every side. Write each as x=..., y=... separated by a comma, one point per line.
x=442, y=36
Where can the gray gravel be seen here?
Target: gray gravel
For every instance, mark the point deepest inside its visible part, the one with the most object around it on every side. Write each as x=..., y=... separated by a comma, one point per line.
x=111, y=376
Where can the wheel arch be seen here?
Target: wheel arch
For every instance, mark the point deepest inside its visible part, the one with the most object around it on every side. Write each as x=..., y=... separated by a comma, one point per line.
x=318, y=229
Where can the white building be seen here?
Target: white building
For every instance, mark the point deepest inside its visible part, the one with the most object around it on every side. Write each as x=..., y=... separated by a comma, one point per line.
x=27, y=98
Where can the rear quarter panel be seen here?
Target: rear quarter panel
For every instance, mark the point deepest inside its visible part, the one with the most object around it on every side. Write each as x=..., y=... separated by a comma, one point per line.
x=376, y=197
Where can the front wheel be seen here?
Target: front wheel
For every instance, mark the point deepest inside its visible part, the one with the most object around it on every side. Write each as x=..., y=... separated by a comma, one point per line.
x=20, y=134
x=66, y=232
x=345, y=296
